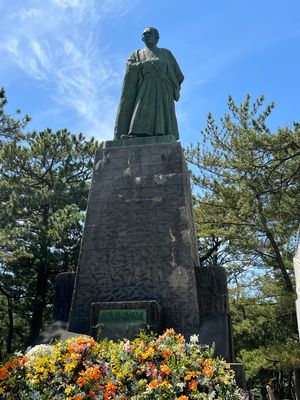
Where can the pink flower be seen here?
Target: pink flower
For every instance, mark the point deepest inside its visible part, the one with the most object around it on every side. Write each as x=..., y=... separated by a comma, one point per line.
x=151, y=371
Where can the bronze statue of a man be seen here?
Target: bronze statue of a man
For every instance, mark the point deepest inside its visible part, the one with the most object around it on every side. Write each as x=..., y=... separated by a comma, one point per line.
x=151, y=84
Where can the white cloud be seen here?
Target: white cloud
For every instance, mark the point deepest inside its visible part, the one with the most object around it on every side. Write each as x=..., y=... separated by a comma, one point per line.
x=67, y=3
x=54, y=42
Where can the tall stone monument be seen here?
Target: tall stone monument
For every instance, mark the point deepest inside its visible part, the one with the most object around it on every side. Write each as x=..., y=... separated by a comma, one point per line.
x=138, y=258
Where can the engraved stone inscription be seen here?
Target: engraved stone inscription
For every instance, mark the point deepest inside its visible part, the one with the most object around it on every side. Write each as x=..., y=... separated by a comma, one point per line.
x=121, y=316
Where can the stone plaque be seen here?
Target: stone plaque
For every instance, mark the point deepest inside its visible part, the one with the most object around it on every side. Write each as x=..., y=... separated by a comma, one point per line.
x=123, y=316
x=119, y=320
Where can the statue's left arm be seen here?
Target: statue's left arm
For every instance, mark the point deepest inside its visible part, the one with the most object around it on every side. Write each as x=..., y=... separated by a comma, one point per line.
x=176, y=76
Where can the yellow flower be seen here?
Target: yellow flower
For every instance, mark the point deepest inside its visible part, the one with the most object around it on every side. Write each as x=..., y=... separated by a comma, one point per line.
x=69, y=367
x=190, y=375
x=149, y=354
x=69, y=389
x=165, y=385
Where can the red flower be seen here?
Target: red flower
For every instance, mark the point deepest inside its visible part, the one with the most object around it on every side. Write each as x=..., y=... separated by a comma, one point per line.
x=193, y=385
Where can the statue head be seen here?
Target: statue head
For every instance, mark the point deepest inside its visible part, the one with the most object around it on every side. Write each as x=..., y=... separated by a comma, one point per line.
x=150, y=37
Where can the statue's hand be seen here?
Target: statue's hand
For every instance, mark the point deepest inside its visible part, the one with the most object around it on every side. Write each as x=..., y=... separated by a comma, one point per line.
x=134, y=66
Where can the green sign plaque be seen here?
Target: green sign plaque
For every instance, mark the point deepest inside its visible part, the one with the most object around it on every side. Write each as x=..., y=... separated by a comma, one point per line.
x=123, y=316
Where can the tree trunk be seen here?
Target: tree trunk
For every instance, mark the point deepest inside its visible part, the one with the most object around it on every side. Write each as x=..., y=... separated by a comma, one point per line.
x=10, y=320
x=288, y=283
x=280, y=263
x=40, y=302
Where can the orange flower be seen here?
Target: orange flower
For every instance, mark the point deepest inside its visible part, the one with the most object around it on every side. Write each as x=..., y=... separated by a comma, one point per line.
x=110, y=387
x=3, y=372
x=193, y=385
x=208, y=371
x=165, y=369
x=170, y=331
x=91, y=342
x=93, y=373
x=183, y=398
x=77, y=397
x=165, y=353
x=153, y=384
x=14, y=363
x=81, y=381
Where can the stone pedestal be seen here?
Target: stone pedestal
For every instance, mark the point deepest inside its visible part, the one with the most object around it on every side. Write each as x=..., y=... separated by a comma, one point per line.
x=139, y=240
x=215, y=322
x=240, y=376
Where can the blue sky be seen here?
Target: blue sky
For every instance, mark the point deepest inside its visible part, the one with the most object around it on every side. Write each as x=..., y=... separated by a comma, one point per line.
x=62, y=61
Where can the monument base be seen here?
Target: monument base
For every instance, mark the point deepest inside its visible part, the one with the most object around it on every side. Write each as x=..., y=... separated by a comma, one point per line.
x=215, y=321
x=240, y=376
x=139, y=240
x=215, y=330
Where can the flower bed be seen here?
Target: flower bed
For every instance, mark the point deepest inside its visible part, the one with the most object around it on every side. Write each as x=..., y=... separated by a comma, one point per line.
x=148, y=367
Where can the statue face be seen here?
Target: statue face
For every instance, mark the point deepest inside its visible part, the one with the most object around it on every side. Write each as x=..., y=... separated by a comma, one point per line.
x=149, y=37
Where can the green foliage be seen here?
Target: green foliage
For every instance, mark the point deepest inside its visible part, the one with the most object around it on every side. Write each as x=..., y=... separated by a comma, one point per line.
x=248, y=189
x=263, y=319
x=247, y=206
x=44, y=182
x=10, y=126
x=264, y=337
x=284, y=356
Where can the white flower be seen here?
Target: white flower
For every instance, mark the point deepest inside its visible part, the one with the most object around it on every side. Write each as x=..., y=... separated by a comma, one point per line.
x=36, y=352
x=127, y=346
x=36, y=395
x=194, y=339
x=181, y=385
x=40, y=351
